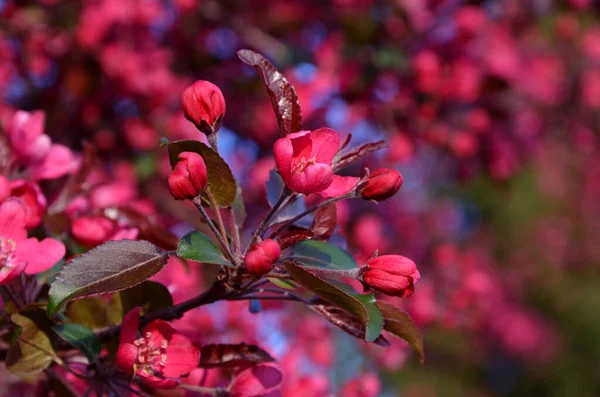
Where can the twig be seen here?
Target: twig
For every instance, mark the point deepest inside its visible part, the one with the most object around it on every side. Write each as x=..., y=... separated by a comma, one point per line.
x=235, y=232
x=226, y=250
x=285, y=193
x=217, y=211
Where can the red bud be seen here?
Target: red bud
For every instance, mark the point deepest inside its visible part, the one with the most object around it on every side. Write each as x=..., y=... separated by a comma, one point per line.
x=393, y=275
x=189, y=178
x=259, y=260
x=382, y=184
x=204, y=105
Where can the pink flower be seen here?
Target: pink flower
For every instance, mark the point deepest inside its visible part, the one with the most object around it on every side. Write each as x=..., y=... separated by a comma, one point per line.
x=393, y=275
x=159, y=357
x=304, y=162
x=263, y=380
x=91, y=231
x=4, y=188
x=367, y=385
x=33, y=198
x=18, y=253
x=259, y=260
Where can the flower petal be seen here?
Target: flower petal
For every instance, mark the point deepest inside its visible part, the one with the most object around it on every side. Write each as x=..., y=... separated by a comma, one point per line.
x=130, y=325
x=39, y=255
x=325, y=145
x=182, y=357
x=59, y=161
x=339, y=186
x=313, y=179
x=13, y=217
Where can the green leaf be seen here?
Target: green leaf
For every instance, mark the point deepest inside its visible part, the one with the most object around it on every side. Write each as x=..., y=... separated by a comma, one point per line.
x=220, y=179
x=149, y=295
x=400, y=324
x=88, y=312
x=319, y=254
x=239, y=209
x=31, y=350
x=199, y=247
x=80, y=338
x=112, y=266
x=283, y=283
x=361, y=306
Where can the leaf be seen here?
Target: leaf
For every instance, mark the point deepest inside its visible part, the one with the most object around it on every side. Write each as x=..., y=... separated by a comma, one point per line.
x=346, y=322
x=356, y=154
x=361, y=306
x=292, y=237
x=274, y=187
x=80, y=338
x=89, y=312
x=112, y=266
x=200, y=248
x=319, y=254
x=324, y=222
x=400, y=324
x=149, y=230
x=283, y=283
x=212, y=356
x=31, y=351
x=239, y=209
x=149, y=295
x=282, y=94
x=220, y=179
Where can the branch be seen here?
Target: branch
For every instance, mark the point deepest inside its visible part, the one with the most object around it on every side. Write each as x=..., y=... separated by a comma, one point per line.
x=285, y=193
x=224, y=246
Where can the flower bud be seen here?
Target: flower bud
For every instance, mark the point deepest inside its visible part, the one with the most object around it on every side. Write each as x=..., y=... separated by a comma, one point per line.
x=382, y=184
x=189, y=178
x=204, y=105
x=393, y=275
x=259, y=260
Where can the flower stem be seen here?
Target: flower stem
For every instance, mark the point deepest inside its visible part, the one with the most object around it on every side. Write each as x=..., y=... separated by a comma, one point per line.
x=235, y=232
x=285, y=193
x=224, y=246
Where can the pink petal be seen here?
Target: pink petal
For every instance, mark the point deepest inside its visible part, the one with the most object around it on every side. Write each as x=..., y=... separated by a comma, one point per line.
x=325, y=145
x=182, y=357
x=4, y=188
x=130, y=325
x=13, y=217
x=7, y=277
x=313, y=179
x=283, y=152
x=39, y=255
x=302, y=147
x=59, y=161
x=159, y=330
x=339, y=186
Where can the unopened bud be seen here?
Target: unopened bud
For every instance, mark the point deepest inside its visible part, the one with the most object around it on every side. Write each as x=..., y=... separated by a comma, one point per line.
x=259, y=260
x=189, y=178
x=394, y=275
x=382, y=184
x=204, y=105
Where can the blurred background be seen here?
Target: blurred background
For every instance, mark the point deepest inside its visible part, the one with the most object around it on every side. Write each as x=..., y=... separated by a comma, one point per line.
x=491, y=110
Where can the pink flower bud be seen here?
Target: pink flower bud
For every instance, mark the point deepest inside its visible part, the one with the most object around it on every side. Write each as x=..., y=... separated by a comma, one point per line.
x=189, y=178
x=382, y=184
x=393, y=275
x=259, y=260
x=204, y=105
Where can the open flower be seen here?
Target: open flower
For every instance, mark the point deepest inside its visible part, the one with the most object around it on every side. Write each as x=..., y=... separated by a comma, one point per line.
x=18, y=253
x=304, y=162
x=159, y=357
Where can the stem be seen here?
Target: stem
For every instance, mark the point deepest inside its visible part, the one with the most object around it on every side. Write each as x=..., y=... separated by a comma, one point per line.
x=213, y=141
x=235, y=232
x=325, y=203
x=224, y=246
x=217, y=211
x=202, y=389
x=285, y=193
x=12, y=296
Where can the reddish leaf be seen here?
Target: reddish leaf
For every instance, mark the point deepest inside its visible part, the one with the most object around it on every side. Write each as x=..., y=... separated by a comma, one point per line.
x=232, y=356
x=282, y=94
x=400, y=324
x=358, y=153
x=346, y=322
x=293, y=237
x=149, y=230
x=325, y=222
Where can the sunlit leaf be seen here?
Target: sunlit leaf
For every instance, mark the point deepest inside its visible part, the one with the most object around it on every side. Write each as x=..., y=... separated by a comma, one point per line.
x=112, y=266
x=199, y=247
x=292, y=237
x=90, y=312
x=319, y=254
x=282, y=94
x=31, y=350
x=149, y=295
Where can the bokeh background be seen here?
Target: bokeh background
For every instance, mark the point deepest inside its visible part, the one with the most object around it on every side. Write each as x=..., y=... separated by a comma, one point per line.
x=491, y=110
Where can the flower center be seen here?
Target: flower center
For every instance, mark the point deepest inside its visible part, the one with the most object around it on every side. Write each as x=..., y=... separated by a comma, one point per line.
x=7, y=255
x=150, y=358
x=300, y=165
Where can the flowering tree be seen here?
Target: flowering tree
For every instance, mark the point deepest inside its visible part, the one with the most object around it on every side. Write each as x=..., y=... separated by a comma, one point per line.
x=284, y=258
